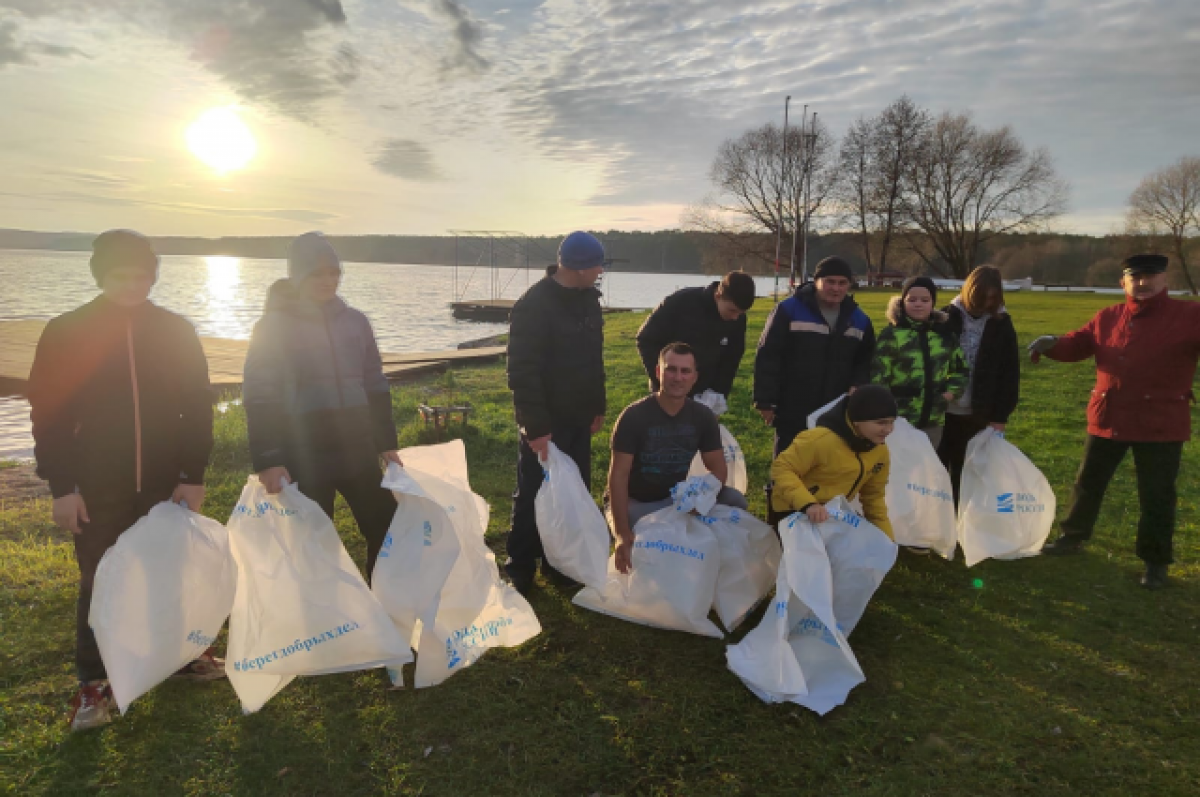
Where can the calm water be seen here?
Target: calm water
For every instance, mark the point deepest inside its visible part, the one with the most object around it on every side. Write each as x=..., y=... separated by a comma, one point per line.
x=223, y=297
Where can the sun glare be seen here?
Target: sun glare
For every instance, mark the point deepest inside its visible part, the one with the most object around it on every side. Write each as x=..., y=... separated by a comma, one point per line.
x=221, y=140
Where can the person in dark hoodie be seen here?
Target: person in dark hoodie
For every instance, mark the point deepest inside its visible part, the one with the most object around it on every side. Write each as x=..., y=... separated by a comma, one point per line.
x=122, y=420
x=712, y=321
x=816, y=346
x=318, y=407
x=989, y=344
x=918, y=359
x=845, y=455
x=556, y=375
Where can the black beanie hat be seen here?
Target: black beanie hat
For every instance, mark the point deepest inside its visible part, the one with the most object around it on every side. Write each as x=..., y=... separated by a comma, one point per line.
x=870, y=403
x=121, y=249
x=919, y=282
x=833, y=267
x=1144, y=264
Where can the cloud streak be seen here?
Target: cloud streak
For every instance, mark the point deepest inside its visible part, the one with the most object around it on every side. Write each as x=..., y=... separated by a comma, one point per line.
x=406, y=159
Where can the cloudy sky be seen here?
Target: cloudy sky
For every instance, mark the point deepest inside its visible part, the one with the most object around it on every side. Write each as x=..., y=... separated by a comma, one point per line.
x=418, y=116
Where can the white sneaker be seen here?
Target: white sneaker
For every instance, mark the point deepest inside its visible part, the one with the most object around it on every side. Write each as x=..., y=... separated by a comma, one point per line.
x=93, y=706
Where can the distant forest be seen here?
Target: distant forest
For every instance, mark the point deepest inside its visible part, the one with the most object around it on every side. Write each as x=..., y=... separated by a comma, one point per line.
x=1047, y=257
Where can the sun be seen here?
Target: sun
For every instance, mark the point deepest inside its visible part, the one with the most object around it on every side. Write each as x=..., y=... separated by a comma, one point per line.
x=221, y=140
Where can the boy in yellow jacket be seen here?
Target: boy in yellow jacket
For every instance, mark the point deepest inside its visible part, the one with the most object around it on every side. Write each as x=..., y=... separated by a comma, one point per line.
x=844, y=455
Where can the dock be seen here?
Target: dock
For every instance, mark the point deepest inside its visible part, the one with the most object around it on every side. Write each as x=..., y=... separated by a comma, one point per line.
x=18, y=343
x=499, y=310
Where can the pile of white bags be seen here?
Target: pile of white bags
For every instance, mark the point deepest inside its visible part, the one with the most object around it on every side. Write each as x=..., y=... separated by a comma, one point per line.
x=686, y=564
x=1006, y=507
x=799, y=652
x=574, y=533
x=301, y=608
x=735, y=460
x=160, y=597
x=920, y=497
x=435, y=575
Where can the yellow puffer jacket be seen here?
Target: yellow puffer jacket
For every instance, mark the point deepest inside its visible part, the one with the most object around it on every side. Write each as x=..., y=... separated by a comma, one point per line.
x=819, y=466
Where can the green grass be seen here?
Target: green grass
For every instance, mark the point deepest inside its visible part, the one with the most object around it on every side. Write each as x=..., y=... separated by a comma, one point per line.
x=1055, y=675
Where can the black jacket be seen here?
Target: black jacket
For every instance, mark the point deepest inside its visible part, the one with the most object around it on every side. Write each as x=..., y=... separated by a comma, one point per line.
x=690, y=316
x=556, y=357
x=996, y=377
x=120, y=402
x=802, y=364
x=317, y=401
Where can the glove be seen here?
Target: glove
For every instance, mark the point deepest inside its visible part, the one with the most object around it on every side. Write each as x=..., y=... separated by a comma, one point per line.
x=1041, y=345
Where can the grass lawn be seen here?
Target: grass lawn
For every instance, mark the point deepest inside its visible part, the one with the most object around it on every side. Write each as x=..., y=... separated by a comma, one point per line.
x=1054, y=675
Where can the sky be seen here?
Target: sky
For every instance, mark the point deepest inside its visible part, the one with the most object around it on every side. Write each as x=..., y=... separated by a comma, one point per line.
x=424, y=116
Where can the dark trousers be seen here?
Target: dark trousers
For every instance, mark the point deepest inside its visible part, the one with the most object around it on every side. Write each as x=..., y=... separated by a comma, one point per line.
x=524, y=542
x=952, y=450
x=110, y=517
x=372, y=506
x=1157, y=467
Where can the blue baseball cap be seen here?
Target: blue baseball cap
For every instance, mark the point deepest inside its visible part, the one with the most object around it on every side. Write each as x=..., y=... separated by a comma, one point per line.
x=580, y=251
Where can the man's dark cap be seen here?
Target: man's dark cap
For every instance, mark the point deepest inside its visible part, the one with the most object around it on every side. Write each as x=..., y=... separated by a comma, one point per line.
x=1144, y=264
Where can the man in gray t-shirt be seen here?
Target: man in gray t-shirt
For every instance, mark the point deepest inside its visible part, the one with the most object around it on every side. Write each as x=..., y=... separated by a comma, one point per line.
x=653, y=445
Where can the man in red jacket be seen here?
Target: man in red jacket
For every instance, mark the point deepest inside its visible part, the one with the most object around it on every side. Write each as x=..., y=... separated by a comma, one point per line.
x=1146, y=351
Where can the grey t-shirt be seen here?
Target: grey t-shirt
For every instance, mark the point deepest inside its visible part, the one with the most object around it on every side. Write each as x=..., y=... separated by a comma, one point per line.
x=831, y=316
x=663, y=446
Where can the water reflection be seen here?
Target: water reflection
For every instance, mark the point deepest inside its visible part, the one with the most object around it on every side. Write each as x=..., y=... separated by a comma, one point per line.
x=222, y=292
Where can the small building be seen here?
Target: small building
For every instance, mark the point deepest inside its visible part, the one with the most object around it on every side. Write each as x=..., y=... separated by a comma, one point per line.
x=885, y=279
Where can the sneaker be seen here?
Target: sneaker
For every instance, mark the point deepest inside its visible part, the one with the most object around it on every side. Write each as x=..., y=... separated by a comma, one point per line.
x=1063, y=546
x=93, y=706
x=916, y=550
x=206, y=667
x=1155, y=577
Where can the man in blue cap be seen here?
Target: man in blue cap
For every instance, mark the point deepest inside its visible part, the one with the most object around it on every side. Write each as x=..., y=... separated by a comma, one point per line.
x=1146, y=352
x=556, y=374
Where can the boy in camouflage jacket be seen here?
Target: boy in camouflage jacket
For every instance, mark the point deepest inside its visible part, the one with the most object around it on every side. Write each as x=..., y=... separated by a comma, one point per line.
x=918, y=358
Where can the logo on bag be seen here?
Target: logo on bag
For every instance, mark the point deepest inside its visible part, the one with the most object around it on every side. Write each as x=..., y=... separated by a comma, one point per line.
x=469, y=643
x=781, y=608
x=733, y=453
x=428, y=528
x=668, y=547
x=849, y=518
x=249, y=663
x=1018, y=503
x=264, y=508
x=929, y=492
x=385, y=549
x=199, y=638
x=811, y=626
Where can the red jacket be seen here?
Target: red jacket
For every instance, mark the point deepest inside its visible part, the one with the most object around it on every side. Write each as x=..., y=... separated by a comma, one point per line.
x=1146, y=356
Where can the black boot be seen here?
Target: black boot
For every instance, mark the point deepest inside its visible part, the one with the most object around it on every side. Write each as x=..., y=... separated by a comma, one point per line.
x=1063, y=546
x=1155, y=577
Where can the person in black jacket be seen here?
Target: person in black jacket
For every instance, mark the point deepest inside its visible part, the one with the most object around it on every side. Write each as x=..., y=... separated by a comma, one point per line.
x=712, y=321
x=989, y=344
x=122, y=420
x=318, y=407
x=816, y=345
x=556, y=374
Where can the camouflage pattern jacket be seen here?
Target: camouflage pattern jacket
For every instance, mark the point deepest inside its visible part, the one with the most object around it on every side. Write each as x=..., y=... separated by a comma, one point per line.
x=919, y=362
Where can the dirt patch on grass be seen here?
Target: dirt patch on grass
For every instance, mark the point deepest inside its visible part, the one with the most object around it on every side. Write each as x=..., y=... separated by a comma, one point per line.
x=18, y=480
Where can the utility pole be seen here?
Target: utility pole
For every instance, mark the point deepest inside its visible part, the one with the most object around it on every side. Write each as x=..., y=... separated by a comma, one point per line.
x=796, y=218
x=782, y=183
x=810, y=143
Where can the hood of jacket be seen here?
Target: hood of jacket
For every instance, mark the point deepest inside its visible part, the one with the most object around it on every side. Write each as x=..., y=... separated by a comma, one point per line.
x=898, y=318
x=838, y=422
x=282, y=297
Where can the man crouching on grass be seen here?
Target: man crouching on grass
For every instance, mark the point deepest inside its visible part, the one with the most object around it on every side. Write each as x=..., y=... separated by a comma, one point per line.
x=653, y=445
x=122, y=420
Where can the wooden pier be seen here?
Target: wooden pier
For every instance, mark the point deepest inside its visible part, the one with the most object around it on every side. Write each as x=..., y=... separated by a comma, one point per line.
x=18, y=343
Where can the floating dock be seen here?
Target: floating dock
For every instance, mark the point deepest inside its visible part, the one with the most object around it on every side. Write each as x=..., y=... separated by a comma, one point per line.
x=18, y=343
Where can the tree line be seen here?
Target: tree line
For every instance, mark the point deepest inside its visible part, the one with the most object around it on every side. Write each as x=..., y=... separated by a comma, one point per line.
x=918, y=192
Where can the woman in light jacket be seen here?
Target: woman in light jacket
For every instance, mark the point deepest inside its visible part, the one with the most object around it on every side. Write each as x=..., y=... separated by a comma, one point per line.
x=318, y=407
x=989, y=344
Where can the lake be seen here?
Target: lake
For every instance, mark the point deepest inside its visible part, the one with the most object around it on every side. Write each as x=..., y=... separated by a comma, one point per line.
x=223, y=297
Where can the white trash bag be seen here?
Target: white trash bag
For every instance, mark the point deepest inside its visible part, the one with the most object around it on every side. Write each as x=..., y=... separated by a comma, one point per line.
x=816, y=414
x=575, y=536
x=920, y=497
x=473, y=610
x=160, y=598
x=1006, y=507
x=735, y=459
x=302, y=607
x=675, y=564
x=799, y=653
x=750, y=556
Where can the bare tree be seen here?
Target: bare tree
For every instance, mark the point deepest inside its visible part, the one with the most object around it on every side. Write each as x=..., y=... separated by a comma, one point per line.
x=965, y=185
x=856, y=191
x=760, y=189
x=1169, y=200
